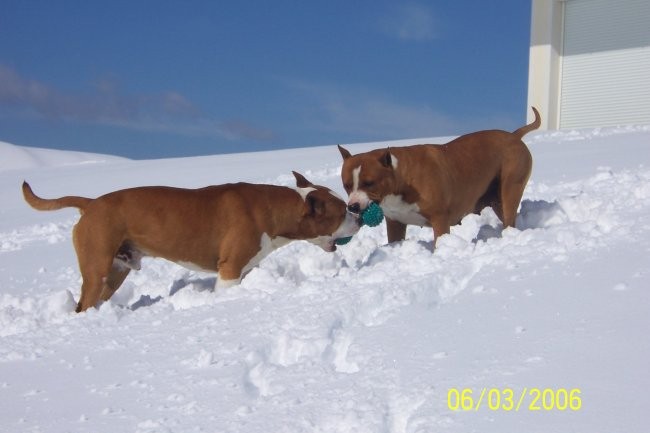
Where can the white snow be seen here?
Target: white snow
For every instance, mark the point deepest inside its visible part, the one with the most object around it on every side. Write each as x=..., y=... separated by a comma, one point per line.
x=18, y=157
x=370, y=338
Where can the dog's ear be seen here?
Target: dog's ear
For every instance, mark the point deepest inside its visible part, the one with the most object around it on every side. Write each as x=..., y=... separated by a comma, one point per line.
x=344, y=152
x=315, y=207
x=301, y=181
x=386, y=159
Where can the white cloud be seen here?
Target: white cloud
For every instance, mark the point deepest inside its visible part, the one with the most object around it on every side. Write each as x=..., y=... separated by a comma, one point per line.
x=169, y=111
x=410, y=22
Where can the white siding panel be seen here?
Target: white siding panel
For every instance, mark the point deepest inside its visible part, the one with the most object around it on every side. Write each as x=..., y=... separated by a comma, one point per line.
x=606, y=63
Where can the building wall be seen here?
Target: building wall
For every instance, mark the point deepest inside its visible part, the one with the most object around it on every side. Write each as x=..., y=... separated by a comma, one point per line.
x=590, y=62
x=544, y=61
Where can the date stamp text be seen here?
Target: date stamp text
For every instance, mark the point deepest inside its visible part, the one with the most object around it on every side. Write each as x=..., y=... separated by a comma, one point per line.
x=508, y=399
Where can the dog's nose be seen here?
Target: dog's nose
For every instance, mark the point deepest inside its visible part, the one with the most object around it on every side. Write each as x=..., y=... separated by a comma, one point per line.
x=354, y=208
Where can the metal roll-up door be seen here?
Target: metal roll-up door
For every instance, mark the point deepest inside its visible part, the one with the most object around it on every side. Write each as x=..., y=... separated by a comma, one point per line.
x=606, y=63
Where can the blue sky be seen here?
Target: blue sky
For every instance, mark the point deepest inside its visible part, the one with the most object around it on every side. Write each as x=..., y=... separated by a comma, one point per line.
x=152, y=79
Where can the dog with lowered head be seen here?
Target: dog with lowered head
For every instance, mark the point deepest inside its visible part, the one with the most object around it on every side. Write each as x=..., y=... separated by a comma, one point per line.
x=437, y=185
x=227, y=229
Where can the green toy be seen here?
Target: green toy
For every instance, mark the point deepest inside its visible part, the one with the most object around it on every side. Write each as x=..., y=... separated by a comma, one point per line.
x=343, y=241
x=372, y=216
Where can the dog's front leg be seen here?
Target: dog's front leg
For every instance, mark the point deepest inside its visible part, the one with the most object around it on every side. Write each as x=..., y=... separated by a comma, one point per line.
x=230, y=273
x=395, y=230
x=235, y=261
x=223, y=283
x=440, y=225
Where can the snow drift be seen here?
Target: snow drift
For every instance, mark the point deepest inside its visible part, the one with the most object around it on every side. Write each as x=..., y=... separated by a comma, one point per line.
x=368, y=339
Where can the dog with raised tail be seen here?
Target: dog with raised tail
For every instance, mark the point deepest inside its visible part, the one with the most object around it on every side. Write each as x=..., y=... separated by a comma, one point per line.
x=227, y=229
x=437, y=185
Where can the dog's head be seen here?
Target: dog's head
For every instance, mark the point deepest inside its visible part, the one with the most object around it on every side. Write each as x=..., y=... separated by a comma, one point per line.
x=367, y=177
x=325, y=215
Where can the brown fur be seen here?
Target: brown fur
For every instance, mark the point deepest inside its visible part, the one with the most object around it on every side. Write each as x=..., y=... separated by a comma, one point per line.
x=216, y=228
x=446, y=182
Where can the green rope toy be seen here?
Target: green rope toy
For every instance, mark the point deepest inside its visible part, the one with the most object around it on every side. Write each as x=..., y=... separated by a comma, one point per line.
x=372, y=216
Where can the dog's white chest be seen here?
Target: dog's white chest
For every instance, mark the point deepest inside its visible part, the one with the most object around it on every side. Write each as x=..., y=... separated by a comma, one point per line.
x=397, y=209
x=267, y=246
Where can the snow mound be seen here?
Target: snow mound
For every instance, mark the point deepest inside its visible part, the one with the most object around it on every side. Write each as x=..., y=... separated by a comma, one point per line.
x=14, y=157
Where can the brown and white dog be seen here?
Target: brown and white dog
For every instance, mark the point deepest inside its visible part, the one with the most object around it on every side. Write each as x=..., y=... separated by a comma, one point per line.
x=226, y=229
x=437, y=185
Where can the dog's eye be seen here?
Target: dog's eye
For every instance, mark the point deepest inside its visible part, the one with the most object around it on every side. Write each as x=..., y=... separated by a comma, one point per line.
x=368, y=184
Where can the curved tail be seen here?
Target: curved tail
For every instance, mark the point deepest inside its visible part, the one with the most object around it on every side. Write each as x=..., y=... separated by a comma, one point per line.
x=531, y=126
x=39, y=203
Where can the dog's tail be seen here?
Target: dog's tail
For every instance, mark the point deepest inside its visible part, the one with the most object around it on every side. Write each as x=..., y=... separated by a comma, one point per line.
x=53, y=204
x=531, y=126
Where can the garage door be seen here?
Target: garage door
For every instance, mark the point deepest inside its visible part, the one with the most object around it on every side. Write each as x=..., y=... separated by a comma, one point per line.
x=606, y=63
